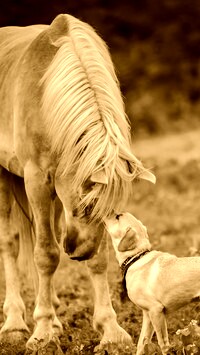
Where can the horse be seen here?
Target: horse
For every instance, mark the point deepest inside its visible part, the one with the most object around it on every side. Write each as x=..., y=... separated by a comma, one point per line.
x=65, y=160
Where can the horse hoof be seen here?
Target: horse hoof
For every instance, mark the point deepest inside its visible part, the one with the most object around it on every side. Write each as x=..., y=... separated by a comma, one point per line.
x=12, y=341
x=115, y=341
x=116, y=335
x=51, y=348
x=14, y=336
x=36, y=346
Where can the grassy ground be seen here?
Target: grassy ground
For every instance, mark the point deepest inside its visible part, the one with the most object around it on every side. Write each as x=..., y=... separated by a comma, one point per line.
x=170, y=210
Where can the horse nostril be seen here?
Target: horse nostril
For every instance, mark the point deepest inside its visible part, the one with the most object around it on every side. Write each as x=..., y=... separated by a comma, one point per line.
x=71, y=239
x=75, y=212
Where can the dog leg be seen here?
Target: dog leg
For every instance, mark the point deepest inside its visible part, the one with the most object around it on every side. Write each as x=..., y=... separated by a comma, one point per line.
x=146, y=333
x=160, y=326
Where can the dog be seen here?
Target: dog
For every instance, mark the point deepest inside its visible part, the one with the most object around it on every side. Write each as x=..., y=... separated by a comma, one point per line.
x=157, y=282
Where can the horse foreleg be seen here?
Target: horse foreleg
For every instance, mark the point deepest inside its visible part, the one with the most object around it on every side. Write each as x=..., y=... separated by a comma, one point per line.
x=105, y=319
x=59, y=228
x=13, y=309
x=46, y=254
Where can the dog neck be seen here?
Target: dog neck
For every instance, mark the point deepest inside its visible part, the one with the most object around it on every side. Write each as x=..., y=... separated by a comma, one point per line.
x=128, y=262
x=132, y=259
x=123, y=256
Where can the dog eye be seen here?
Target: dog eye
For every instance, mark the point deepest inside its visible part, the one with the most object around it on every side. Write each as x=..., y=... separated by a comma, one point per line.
x=118, y=215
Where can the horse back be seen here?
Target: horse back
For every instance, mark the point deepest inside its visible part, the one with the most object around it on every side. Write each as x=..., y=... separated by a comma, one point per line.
x=25, y=53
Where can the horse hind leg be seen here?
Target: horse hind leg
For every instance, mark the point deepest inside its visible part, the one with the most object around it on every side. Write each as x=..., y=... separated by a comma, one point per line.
x=14, y=327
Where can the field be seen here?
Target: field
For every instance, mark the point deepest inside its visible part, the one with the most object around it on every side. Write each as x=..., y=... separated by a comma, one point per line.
x=171, y=212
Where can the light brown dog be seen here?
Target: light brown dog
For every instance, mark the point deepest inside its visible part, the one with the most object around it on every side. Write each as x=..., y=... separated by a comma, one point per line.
x=157, y=282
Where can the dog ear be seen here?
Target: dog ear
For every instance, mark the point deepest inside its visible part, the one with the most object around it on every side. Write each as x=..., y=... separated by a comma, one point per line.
x=128, y=242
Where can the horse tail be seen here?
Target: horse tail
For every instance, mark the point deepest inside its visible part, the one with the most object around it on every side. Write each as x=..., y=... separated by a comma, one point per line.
x=22, y=219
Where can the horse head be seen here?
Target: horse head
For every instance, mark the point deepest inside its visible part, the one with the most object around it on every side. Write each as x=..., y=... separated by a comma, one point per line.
x=84, y=232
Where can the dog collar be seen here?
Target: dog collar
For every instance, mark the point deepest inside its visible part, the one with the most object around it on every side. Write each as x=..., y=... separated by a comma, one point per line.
x=128, y=262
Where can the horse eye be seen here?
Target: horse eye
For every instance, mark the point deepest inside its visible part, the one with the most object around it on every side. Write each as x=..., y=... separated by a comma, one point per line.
x=88, y=210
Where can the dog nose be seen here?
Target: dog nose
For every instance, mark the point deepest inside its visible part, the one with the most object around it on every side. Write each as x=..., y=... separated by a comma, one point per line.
x=119, y=215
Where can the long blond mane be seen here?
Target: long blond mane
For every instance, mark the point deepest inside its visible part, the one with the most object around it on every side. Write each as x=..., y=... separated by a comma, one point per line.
x=85, y=118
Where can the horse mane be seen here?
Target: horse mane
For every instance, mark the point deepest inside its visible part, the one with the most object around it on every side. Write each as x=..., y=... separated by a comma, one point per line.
x=85, y=118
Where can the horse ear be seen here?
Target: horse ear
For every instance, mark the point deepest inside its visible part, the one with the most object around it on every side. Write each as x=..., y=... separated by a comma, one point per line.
x=99, y=177
x=147, y=175
x=59, y=27
x=128, y=242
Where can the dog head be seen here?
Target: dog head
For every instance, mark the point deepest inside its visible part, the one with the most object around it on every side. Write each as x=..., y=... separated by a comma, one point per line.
x=128, y=234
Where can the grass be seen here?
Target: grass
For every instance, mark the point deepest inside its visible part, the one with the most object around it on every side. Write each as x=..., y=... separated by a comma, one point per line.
x=171, y=212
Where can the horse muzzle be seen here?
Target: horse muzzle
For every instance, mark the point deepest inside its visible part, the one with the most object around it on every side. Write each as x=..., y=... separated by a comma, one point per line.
x=81, y=245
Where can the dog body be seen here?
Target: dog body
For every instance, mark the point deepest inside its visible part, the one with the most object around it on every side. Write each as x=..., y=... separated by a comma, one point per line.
x=157, y=282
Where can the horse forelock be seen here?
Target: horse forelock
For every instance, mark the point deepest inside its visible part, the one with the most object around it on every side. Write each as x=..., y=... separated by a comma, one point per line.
x=85, y=119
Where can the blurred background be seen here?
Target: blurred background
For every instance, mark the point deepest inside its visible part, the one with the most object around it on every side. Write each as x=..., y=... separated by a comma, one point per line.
x=155, y=46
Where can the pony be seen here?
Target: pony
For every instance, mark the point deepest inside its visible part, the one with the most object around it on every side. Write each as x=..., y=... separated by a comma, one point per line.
x=65, y=150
